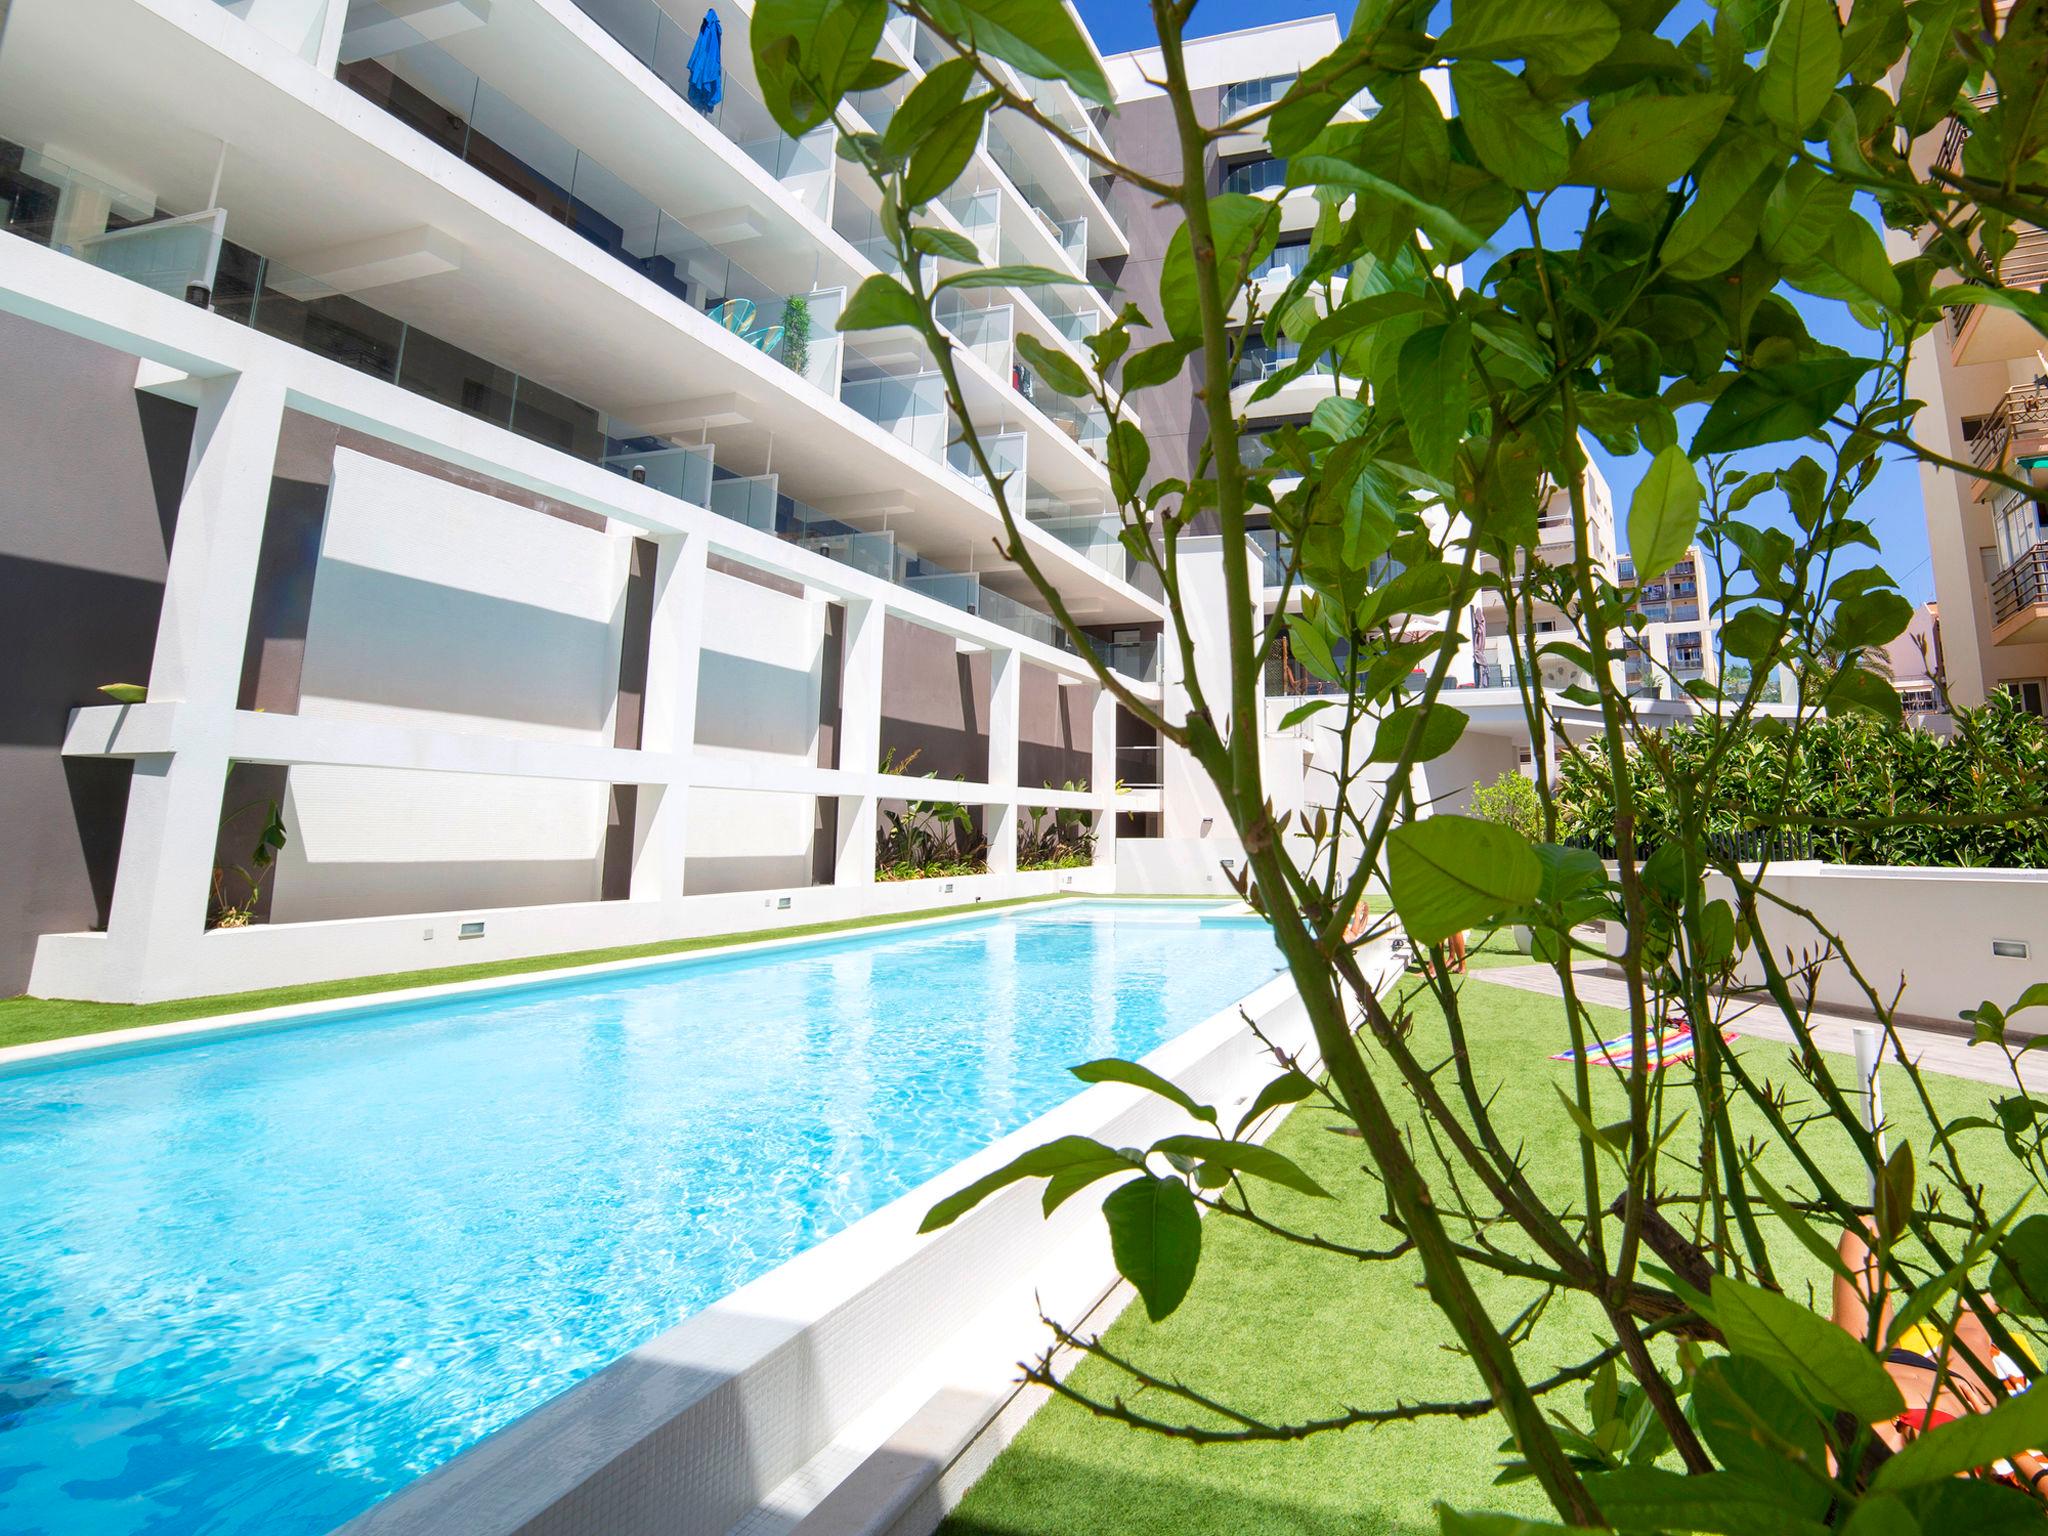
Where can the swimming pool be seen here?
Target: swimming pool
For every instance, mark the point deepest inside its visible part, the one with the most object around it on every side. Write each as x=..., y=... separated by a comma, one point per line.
x=257, y=1282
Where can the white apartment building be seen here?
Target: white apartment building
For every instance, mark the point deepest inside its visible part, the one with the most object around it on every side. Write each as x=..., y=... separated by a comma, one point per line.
x=435, y=415
x=1984, y=377
x=413, y=398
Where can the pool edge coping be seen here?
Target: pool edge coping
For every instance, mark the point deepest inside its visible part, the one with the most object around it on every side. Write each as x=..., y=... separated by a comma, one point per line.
x=489, y=1488
x=19, y=1060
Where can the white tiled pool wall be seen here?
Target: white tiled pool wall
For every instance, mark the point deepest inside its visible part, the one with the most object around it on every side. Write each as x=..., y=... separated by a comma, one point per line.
x=693, y=1433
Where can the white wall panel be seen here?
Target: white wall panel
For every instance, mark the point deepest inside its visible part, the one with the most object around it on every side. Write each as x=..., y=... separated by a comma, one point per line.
x=439, y=607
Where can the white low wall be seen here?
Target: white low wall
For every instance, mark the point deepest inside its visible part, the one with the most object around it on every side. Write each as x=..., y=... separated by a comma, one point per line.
x=85, y=966
x=1176, y=866
x=769, y=1397
x=1930, y=929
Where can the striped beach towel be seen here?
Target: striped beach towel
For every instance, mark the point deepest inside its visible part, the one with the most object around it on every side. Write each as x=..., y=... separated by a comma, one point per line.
x=1673, y=1043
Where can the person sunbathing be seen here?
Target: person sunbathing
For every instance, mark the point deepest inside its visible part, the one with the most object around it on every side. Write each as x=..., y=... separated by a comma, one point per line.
x=1939, y=1380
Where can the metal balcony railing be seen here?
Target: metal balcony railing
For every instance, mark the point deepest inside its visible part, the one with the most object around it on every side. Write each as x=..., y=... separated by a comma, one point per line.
x=2023, y=584
x=2024, y=266
x=2022, y=415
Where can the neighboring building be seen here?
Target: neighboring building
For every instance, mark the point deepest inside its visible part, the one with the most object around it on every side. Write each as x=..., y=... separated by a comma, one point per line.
x=1677, y=645
x=1916, y=662
x=1984, y=377
x=444, y=419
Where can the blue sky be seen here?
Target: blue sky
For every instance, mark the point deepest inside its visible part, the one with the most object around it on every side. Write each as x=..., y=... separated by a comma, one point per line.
x=1892, y=506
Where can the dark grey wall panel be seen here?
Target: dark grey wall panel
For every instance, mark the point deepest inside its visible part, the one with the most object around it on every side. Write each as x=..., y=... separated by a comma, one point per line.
x=90, y=474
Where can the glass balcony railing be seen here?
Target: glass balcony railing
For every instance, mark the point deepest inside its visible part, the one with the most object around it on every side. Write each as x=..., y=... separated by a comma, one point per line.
x=1259, y=362
x=646, y=31
x=1274, y=555
x=1133, y=658
x=1071, y=235
x=1246, y=95
x=1068, y=319
x=426, y=88
x=1255, y=176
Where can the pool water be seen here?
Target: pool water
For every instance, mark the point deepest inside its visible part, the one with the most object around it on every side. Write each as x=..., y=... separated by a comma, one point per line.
x=254, y=1284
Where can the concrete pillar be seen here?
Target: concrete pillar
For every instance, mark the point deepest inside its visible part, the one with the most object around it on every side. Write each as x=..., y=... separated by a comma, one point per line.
x=668, y=721
x=1005, y=700
x=860, y=736
x=163, y=886
x=1102, y=771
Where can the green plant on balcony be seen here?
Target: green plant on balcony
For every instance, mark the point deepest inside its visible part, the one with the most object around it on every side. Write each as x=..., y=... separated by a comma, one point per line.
x=796, y=333
x=1649, y=195
x=1060, y=837
x=248, y=878
x=927, y=839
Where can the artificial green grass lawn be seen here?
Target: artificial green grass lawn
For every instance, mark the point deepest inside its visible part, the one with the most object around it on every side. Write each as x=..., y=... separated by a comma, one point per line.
x=1286, y=1334
x=24, y=1020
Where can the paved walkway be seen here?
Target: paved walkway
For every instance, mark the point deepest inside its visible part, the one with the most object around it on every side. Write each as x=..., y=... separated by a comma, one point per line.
x=1934, y=1050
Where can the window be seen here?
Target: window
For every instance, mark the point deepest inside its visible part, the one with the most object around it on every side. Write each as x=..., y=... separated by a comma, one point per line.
x=1987, y=559
x=2031, y=694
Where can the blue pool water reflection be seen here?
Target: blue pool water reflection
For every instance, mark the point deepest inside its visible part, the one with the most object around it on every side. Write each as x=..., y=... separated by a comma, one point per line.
x=254, y=1284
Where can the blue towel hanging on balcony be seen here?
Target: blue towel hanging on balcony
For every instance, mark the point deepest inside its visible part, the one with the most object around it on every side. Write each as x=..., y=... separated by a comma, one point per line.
x=707, y=67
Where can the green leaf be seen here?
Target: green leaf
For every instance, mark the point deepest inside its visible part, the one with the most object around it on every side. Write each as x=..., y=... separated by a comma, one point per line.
x=1062, y=1187
x=1442, y=725
x=1152, y=366
x=1069, y=1154
x=1130, y=455
x=1311, y=647
x=1801, y=214
x=1801, y=65
x=1449, y=873
x=1755, y=1425
x=1155, y=1236
x=1663, y=514
x=937, y=163
x=1882, y=1516
x=2022, y=1269
x=1565, y=37
x=1863, y=692
x=1111, y=1070
x=1869, y=619
x=1645, y=143
x=1244, y=227
x=879, y=303
x=1653, y=1499
x=1290, y=1087
x=1715, y=231
x=1243, y=1157
x=1057, y=369
x=1975, y=1440
x=1516, y=137
x=1852, y=266
x=1799, y=1226
x=1040, y=37
x=1772, y=404
x=925, y=109
x=1021, y=276
x=126, y=693
x=1301, y=712
x=1435, y=391
x=943, y=242
x=810, y=53
x=1807, y=1350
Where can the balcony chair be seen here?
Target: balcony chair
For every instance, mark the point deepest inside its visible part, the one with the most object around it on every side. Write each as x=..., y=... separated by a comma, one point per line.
x=768, y=339
x=735, y=315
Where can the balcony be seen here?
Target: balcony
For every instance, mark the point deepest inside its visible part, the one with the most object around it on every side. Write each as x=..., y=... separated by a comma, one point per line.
x=1254, y=177
x=2019, y=600
x=1984, y=333
x=430, y=91
x=1247, y=95
x=2017, y=430
x=647, y=32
